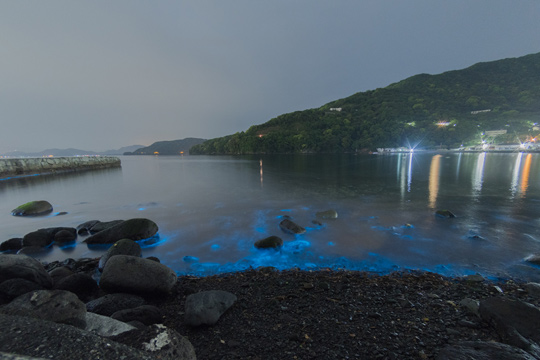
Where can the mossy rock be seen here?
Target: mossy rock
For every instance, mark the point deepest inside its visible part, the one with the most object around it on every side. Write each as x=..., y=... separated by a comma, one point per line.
x=270, y=242
x=33, y=208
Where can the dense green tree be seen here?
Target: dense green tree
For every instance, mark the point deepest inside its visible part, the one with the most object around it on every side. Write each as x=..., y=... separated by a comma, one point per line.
x=448, y=109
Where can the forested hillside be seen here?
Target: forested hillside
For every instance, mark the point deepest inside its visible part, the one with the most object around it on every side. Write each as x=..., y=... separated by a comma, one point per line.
x=448, y=109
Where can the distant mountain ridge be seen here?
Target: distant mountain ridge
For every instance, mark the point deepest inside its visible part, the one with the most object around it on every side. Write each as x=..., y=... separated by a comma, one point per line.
x=71, y=152
x=449, y=109
x=171, y=147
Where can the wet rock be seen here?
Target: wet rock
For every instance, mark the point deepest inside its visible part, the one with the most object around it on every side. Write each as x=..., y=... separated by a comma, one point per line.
x=23, y=267
x=291, y=227
x=533, y=289
x=479, y=350
x=111, y=303
x=328, y=214
x=134, y=229
x=444, y=214
x=517, y=322
x=12, y=288
x=45, y=237
x=121, y=247
x=12, y=244
x=53, y=305
x=146, y=314
x=65, y=236
x=62, y=341
x=533, y=259
x=131, y=274
x=105, y=326
x=103, y=225
x=206, y=307
x=82, y=285
x=83, y=229
x=160, y=342
x=476, y=278
x=270, y=242
x=59, y=273
x=33, y=250
x=33, y=208
x=470, y=305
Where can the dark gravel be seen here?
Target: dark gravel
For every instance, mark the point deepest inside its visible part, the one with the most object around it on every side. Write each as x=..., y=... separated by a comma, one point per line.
x=336, y=314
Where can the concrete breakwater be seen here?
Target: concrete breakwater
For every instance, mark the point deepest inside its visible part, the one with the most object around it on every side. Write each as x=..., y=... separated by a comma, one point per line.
x=28, y=166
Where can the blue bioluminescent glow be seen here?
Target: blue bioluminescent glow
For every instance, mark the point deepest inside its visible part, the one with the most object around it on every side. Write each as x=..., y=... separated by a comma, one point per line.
x=190, y=259
x=215, y=247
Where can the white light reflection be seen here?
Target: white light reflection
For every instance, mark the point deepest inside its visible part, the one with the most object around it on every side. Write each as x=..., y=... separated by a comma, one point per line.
x=478, y=175
x=525, y=174
x=515, y=175
x=434, y=174
x=261, y=171
x=409, y=173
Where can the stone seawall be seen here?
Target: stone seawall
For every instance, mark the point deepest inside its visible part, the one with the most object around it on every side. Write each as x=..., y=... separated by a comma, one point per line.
x=28, y=166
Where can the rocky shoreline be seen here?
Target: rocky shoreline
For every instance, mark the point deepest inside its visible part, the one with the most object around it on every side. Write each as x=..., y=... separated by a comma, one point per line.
x=61, y=311
x=122, y=305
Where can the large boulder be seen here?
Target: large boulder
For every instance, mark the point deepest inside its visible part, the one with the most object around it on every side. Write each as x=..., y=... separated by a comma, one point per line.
x=291, y=227
x=134, y=229
x=53, y=305
x=479, y=350
x=517, y=322
x=121, y=247
x=111, y=303
x=84, y=228
x=103, y=225
x=160, y=341
x=33, y=208
x=45, y=339
x=206, y=307
x=106, y=326
x=12, y=288
x=12, y=244
x=23, y=267
x=82, y=285
x=45, y=237
x=270, y=242
x=131, y=274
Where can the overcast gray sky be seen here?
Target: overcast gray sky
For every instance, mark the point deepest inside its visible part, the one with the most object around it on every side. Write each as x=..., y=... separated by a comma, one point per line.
x=103, y=74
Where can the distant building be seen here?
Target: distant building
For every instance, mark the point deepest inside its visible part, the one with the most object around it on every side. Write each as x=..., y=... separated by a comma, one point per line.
x=480, y=111
x=335, y=109
x=494, y=133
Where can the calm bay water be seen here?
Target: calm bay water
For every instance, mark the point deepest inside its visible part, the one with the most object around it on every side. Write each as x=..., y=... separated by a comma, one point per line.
x=210, y=210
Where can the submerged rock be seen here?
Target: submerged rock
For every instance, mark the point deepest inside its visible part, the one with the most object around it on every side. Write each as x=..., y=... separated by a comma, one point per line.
x=328, y=214
x=270, y=242
x=33, y=208
x=12, y=244
x=291, y=227
x=133, y=229
x=444, y=214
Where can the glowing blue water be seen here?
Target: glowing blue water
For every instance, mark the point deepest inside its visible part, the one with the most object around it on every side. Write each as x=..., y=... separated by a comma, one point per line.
x=211, y=210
